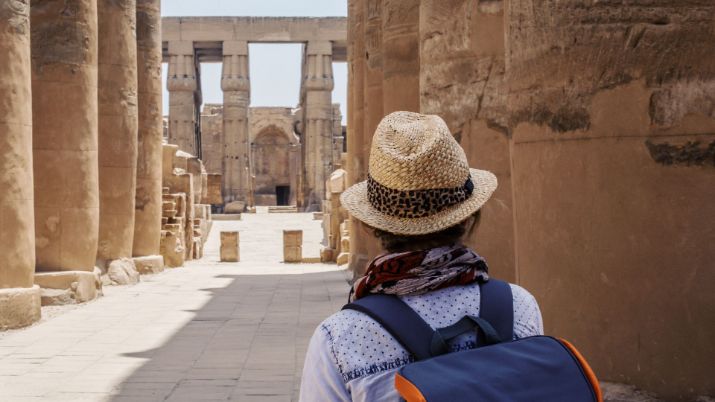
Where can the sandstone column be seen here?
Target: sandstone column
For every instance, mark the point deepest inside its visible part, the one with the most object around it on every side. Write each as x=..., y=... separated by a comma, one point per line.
x=614, y=178
x=65, y=162
x=147, y=219
x=318, y=129
x=19, y=300
x=400, y=55
x=462, y=80
x=236, y=86
x=363, y=247
x=118, y=127
x=182, y=84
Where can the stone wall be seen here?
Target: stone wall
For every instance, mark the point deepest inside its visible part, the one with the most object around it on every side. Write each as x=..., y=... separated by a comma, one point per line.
x=598, y=120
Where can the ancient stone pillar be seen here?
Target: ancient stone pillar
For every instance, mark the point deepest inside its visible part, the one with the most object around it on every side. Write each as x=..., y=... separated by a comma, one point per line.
x=318, y=128
x=118, y=126
x=236, y=86
x=182, y=84
x=147, y=219
x=614, y=181
x=400, y=55
x=64, y=108
x=19, y=300
x=363, y=247
x=462, y=79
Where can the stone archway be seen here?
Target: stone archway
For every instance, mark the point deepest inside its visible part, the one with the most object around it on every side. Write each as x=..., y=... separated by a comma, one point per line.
x=271, y=162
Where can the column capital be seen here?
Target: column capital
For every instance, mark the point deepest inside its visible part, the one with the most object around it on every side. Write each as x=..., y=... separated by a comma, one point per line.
x=235, y=47
x=319, y=48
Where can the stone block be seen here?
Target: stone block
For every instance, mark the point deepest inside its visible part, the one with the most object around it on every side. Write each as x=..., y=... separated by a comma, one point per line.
x=342, y=259
x=292, y=253
x=172, y=249
x=317, y=216
x=151, y=264
x=19, y=307
x=292, y=238
x=83, y=285
x=235, y=207
x=230, y=251
x=123, y=272
x=226, y=217
x=213, y=195
x=327, y=254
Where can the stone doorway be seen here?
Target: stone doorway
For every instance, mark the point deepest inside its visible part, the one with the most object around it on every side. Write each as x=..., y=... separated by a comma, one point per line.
x=282, y=195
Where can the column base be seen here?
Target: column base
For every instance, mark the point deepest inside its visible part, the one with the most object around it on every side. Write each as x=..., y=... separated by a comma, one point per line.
x=150, y=264
x=19, y=307
x=68, y=287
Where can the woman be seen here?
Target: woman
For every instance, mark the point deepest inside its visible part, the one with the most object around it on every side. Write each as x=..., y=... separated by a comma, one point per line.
x=421, y=199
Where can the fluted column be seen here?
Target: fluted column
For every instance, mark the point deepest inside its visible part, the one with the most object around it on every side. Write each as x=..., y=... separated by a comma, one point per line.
x=118, y=126
x=318, y=85
x=182, y=84
x=236, y=86
x=147, y=220
x=19, y=300
x=64, y=108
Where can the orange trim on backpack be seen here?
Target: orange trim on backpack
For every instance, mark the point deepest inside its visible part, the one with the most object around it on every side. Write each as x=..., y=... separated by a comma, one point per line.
x=586, y=369
x=408, y=390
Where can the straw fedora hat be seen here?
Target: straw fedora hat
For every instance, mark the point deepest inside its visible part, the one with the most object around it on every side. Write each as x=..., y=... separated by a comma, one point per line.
x=419, y=180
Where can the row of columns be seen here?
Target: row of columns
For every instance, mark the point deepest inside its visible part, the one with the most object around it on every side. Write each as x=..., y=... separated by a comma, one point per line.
x=69, y=136
x=317, y=115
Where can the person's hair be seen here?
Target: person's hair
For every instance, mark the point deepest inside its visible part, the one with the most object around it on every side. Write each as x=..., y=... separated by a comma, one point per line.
x=394, y=243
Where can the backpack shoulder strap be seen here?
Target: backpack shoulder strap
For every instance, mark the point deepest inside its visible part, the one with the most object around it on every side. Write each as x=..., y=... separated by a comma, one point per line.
x=496, y=306
x=403, y=323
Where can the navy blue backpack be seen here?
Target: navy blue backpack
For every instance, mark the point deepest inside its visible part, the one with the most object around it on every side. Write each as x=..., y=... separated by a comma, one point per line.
x=500, y=369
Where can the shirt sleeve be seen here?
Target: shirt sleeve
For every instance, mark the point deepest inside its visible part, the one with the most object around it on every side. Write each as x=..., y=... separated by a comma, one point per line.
x=321, y=380
x=527, y=315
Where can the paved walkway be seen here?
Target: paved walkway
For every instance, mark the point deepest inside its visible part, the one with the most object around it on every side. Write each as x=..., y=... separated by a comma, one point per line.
x=208, y=331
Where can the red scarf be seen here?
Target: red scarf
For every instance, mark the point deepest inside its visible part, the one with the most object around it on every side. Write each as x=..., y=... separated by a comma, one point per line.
x=416, y=272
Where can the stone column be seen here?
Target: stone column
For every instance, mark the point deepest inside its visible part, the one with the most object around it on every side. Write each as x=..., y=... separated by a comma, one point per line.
x=147, y=219
x=401, y=55
x=118, y=127
x=65, y=161
x=462, y=79
x=19, y=300
x=236, y=86
x=182, y=84
x=362, y=246
x=614, y=176
x=318, y=128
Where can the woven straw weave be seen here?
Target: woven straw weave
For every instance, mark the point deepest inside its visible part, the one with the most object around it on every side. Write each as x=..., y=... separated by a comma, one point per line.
x=411, y=151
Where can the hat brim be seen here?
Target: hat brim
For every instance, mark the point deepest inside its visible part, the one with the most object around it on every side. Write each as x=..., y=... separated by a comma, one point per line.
x=355, y=201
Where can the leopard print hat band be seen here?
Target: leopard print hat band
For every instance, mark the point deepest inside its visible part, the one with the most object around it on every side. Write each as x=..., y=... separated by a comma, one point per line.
x=415, y=203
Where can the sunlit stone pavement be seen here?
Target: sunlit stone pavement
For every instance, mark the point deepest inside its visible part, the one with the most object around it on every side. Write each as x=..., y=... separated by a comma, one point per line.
x=208, y=331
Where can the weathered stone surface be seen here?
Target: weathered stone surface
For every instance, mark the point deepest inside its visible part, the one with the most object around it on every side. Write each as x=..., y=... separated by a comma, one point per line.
x=82, y=284
x=56, y=297
x=150, y=264
x=123, y=272
x=17, y=231
x=19, y=307
x=172, y=249
x=118, y=125
x=230, y=247
x=147, y=219
x=64, y=107
x=234, y=207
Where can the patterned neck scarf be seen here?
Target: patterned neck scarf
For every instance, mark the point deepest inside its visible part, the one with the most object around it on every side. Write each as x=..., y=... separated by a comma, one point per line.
x=416, y=272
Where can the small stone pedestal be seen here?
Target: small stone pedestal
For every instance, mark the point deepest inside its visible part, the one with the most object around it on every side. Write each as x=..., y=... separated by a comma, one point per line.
x=19, y=307
x=230, y=251
x=292, y=245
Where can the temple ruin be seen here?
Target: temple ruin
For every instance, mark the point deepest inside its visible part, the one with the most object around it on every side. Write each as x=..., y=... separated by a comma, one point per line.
x=598, y=119
x=236, y=152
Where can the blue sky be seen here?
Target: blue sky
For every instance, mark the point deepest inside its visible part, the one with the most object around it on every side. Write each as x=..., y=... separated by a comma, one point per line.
x=275, y=69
